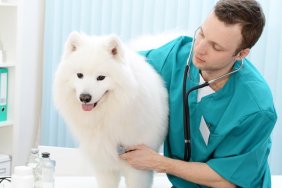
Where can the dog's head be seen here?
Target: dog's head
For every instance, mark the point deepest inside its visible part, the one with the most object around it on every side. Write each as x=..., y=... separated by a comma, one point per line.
x=91, y=69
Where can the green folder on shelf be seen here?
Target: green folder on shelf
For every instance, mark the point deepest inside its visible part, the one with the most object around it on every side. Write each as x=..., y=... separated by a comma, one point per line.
x=3, y=93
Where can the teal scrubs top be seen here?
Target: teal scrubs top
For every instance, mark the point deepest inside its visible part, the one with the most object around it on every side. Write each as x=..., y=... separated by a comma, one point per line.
x=240, y=117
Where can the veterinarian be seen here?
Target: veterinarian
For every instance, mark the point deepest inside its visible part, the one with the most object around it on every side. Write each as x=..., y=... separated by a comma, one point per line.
x=231, y=119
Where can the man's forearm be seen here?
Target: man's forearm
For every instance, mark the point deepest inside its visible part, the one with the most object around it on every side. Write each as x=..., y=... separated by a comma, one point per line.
x=199, y=173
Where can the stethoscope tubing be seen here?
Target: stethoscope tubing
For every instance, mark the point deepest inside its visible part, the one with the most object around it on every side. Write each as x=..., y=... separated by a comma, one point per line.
x=186, y=115
x=186, y=110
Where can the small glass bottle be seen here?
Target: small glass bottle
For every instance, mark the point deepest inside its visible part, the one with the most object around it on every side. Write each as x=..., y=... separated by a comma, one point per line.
x=33, y=159
x=46, y=172
x=33, y=162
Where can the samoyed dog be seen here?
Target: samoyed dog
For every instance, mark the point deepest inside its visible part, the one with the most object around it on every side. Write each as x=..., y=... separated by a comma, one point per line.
x=111, y=98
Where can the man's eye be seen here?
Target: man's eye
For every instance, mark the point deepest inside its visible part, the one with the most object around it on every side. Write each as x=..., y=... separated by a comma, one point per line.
x=217, y=48
x=99, y=78
x=79, y=75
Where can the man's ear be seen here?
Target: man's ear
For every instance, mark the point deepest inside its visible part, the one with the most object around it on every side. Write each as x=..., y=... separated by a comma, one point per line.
x=242, y=54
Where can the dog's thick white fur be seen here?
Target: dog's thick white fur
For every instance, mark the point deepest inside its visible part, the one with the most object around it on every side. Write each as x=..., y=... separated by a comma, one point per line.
x=110, y=96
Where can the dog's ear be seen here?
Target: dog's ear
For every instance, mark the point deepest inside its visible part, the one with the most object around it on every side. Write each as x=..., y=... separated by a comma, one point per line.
x=115, y=47
x=74, y=41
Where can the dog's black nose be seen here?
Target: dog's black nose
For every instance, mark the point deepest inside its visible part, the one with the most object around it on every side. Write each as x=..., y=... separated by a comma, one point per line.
x=85, y=98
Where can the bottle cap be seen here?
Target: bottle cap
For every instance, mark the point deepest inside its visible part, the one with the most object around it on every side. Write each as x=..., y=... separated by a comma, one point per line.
x=45, y=155
x=34, y=150
x=23, y=171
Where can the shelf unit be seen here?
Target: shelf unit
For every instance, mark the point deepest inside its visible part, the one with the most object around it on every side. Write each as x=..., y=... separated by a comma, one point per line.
x=21, y=35
x=7, y=65
x=8, y=43
x=8, y=4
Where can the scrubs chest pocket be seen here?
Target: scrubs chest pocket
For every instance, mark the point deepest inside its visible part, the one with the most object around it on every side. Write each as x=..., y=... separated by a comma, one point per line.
x=207, y=134
x=205, y=131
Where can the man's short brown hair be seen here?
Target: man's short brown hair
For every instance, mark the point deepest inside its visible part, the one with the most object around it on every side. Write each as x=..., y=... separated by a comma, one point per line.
x=247, y=13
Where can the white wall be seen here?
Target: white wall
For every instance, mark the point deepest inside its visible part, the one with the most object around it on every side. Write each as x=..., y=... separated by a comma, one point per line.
x=29, y=77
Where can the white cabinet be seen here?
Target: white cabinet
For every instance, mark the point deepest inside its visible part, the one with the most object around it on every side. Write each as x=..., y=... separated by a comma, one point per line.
x=8, y=44
x=21, y=32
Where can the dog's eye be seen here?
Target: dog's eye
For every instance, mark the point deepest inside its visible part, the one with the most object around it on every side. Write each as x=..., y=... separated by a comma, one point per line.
x=79, y=75
x=99, y=78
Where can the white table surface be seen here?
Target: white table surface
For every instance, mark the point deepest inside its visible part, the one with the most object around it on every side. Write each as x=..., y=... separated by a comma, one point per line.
x=90, y=182
x=159, y=182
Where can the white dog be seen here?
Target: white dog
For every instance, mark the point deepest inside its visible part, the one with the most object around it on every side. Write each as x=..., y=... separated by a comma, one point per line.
x=111, y=98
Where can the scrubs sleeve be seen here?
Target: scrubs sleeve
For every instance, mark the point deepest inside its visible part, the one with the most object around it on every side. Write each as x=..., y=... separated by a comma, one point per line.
x=241, y=158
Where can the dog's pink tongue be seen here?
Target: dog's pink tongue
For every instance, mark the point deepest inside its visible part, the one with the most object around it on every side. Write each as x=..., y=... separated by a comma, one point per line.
x=87, y=107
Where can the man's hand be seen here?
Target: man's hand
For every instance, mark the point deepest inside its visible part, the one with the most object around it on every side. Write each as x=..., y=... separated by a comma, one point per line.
x=143, y=158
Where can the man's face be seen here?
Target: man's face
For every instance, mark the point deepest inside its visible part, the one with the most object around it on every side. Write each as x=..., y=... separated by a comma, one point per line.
x=215, y=46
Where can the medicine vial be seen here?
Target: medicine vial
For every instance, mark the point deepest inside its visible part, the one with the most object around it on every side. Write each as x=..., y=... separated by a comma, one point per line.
x=46, y=172
x=33, y=159
x=33, y=162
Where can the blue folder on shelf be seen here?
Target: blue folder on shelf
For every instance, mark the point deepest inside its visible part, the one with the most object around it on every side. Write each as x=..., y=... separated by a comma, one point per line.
x=3, y=93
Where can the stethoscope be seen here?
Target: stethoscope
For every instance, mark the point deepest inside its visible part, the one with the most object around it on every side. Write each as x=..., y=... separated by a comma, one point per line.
x=186, y=115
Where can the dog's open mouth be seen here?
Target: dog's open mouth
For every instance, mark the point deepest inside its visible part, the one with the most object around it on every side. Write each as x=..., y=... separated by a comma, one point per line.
x=89, y=107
